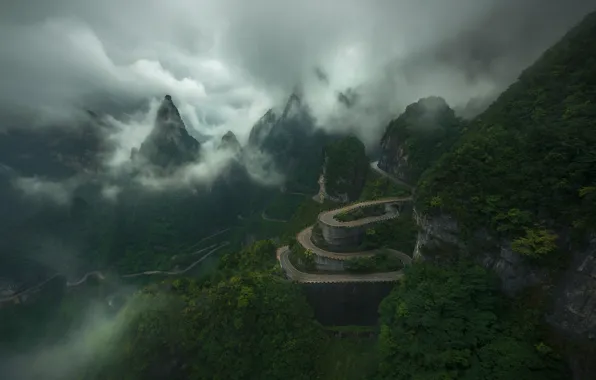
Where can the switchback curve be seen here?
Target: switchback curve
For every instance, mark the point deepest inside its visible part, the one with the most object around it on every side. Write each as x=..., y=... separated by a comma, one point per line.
x=294, y=274
x=304, y=239
x=328, y=217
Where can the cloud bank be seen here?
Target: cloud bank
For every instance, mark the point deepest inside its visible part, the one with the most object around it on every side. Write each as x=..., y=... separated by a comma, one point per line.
x=227, y=61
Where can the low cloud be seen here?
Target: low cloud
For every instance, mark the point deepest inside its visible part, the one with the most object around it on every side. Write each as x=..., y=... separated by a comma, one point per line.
x=226, y=62
x=84, y=348
x=44, y=190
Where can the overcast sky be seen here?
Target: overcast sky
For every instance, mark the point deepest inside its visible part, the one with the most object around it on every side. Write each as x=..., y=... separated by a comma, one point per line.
x=226, y=61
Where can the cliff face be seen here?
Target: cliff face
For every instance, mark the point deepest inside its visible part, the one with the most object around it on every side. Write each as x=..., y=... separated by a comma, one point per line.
x=573, y=311
x=169, y=145
x=290, y=139
x=440, y=239
x=522, y=174
x=345, y=169
x=230, y=142
x=418, y=137
x=575, y=299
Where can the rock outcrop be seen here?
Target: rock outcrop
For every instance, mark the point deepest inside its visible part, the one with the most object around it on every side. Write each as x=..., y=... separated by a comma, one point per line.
x=289, y=137
x=575, y=300
x=439, y=239
x=230, y=142
x=169, y=145
x=345, y=169
x=418, y=137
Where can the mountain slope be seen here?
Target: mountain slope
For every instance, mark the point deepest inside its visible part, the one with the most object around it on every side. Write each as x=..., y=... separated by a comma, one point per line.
x=517, y=192
x=525, y=160
x=293, y=143
x=418, y=137
x=169, y=144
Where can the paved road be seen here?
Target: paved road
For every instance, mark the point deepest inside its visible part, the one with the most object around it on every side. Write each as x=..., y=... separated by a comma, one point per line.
x=96, y=274
x=303, y=238
x=328, y=217
x=100, y=276
x=176, y=272
x=375, y=166
x=309, y=278
x=265, y=217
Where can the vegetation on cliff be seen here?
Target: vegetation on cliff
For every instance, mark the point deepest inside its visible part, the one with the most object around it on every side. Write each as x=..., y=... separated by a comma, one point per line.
x=525, y=168
x=251, y=326
x=346, y=168
x=378, y=186
x=415, y=140
x=448, y=323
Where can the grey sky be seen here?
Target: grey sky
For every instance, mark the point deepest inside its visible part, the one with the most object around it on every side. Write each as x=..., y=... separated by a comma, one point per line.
x=227, y=61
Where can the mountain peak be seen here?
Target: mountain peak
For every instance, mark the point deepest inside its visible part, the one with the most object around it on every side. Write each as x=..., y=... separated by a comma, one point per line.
x=293, y=105
x=169, y=142
x=229, y=141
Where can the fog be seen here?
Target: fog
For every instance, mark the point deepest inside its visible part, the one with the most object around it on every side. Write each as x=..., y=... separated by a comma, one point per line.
x=227, y=61
x=83, y=349
x=357, y=63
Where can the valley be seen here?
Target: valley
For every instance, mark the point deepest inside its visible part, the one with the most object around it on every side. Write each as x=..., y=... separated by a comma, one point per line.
x=329, y=238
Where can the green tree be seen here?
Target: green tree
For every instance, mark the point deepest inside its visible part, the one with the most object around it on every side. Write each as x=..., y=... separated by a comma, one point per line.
x=537, y=242
x=346, y=167
x=247, y=327
x=432, y=323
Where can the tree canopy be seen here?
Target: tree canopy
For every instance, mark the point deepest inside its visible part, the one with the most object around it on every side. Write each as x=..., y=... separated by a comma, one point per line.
x=446, y=323
x=529, y=160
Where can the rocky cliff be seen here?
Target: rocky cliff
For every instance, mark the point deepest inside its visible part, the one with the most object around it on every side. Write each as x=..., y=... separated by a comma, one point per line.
x=289, y=137
x=440, y=239
x=345, y=169
x=169, y=145
x=418, y=137
x=230, y=142
x=514, y=193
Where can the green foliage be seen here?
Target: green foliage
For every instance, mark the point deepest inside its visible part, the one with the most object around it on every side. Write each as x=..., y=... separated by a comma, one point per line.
x=434, y=321
x=284, y=205
x=346, y=167
x=399, y=233
x=420, y=135
x=303, y=259
x=304, y=216
x=382, y=262
x=446, y=323
x=506, y=358
x=247, y=327
x=377, y=187
x=537, y=242
x=360, y=213
x=259, y=256
x=524, y=160
x=348, y=358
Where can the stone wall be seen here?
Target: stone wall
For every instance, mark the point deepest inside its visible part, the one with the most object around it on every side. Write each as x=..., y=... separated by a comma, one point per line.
x=347, y=304
x=573, y=310
x=324, y=263
x=342, y=238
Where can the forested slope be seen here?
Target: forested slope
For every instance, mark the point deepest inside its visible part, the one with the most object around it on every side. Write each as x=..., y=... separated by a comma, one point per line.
x=528, y=163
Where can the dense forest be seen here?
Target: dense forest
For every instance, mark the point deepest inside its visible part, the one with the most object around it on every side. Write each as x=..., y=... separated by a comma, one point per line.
x=525, y=167
x=346, y=166
x=415, y=140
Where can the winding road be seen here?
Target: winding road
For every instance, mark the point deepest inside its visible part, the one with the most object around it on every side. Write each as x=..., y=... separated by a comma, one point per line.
x=328, y=217
x=95, y=273
x=304, y=239
x=375, y=166
x=265, y=217
x=100, y=276
x=310, y=278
